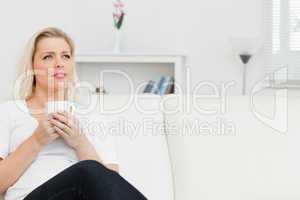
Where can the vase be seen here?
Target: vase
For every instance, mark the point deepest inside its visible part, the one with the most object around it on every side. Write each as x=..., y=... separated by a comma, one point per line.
x=117, y=45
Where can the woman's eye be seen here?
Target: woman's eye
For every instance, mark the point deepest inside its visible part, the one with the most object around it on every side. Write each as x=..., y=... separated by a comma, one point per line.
x=67, y=56
x=47, y=57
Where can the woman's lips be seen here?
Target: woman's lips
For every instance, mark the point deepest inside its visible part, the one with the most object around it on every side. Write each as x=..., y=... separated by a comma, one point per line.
x=59, y=75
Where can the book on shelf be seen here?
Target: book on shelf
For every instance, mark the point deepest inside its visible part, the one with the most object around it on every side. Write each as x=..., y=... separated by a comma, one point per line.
x=165, y=85
x=149, y=87
x=170, y=86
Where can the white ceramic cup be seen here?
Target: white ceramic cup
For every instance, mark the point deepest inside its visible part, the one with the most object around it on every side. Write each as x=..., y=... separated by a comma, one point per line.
x=55, y=106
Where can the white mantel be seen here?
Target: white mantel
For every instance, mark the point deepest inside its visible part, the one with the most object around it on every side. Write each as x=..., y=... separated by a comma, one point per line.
x=176, y=61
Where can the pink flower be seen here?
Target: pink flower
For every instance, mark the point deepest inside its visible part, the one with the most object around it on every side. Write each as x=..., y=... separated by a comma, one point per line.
x=119, y=5
x=118, y=14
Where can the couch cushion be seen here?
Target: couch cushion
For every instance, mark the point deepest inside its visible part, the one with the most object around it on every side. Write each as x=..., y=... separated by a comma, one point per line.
x=141, y=143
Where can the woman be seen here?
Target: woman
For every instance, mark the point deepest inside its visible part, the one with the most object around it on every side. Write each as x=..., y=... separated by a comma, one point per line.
x=51, y=156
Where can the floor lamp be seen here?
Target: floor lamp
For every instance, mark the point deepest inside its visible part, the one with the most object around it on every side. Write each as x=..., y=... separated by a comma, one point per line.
x=245, y=48
x=245, y=57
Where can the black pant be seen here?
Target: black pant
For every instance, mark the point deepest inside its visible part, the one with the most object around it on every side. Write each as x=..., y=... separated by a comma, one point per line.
x=86, y=180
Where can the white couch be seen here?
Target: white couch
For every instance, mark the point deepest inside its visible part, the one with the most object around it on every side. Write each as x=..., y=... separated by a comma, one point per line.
x=233, y=154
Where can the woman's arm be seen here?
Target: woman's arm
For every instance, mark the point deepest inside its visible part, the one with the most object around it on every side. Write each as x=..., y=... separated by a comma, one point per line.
x=114, y=167
x=12, y=167
x=86, y=151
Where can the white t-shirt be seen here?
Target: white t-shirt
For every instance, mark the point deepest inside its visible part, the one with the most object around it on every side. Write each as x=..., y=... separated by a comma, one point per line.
x=16, y=125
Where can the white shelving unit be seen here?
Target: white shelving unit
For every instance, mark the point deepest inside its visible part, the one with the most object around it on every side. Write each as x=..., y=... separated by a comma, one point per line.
x=139, y=67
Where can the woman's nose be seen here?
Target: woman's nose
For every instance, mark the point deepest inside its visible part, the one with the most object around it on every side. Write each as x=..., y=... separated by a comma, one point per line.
x=59, y=66
x=59, y=63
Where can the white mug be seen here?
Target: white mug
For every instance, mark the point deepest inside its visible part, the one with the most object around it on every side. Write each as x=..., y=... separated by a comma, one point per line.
x=55, y=106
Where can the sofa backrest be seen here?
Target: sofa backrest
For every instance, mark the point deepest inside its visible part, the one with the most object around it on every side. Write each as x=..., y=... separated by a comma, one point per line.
x=238, y=152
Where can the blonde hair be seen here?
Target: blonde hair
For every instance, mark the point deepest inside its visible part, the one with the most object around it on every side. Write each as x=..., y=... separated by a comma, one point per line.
x=26, y=65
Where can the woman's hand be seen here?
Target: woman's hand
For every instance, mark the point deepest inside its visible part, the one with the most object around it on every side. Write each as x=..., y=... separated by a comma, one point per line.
x=45, y=132
x=67, y=126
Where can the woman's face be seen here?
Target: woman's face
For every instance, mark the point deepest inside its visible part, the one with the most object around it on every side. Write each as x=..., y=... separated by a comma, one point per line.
x=53, y=59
